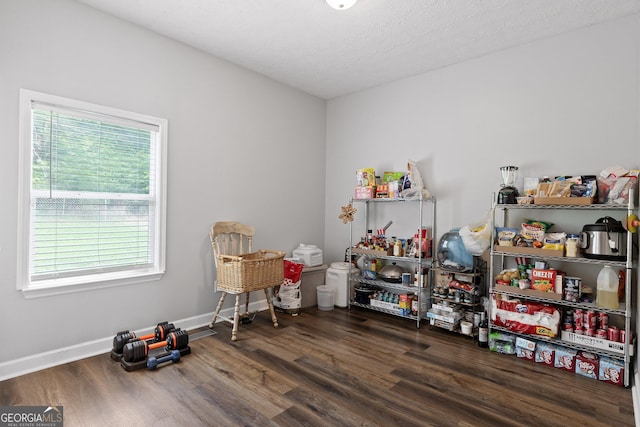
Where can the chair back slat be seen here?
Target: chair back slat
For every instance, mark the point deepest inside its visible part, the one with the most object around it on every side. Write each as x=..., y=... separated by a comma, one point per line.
x=231, y=238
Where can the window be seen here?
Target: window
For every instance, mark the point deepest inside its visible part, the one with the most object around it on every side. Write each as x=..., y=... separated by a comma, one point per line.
x=92, y=196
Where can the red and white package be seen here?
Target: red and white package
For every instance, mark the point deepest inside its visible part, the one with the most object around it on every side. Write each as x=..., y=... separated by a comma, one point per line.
x=525, y=317
x=292, y=272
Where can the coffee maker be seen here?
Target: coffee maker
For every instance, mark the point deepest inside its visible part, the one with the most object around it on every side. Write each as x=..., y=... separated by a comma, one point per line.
x=508, y=193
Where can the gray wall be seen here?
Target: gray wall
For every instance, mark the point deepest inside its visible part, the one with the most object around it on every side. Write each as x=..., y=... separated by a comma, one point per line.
x=563, y=105
x=241, y=147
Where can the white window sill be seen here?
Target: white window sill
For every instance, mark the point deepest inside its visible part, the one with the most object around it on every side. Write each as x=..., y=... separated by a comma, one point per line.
x=72, y=285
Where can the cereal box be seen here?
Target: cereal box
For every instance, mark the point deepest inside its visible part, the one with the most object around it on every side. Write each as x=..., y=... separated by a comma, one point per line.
x=565, y=359
x=587, y=364
x=611, y=371
x=545, y=353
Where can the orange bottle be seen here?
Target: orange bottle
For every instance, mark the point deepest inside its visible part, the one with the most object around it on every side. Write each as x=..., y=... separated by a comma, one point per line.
x=622, y=279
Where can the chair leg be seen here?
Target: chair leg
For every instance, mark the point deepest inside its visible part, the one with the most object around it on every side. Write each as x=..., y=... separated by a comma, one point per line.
x=220, y=301
x=236, y=316
x=246, y=303
x=274, y=319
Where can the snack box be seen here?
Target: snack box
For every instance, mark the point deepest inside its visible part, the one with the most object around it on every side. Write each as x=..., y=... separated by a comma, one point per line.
x=545, y=353
x=611, y=371
x=543, y=280
x=565, y=359
x=525, y=349
x=367, y=192
x=587, y=364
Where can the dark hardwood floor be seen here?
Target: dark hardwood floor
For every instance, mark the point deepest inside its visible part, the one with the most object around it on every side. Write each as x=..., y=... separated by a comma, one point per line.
x=326, y=368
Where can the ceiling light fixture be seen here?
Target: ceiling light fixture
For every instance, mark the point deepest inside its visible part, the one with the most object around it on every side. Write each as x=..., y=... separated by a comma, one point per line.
x=341, y=4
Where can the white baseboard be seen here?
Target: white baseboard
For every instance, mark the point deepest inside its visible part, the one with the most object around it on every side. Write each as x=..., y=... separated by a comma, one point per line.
x=60, y=356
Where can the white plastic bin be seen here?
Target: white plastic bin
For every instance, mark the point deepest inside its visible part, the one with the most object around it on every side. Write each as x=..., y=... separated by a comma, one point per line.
x=309, y=255
x=326, y=297
x=337, y=277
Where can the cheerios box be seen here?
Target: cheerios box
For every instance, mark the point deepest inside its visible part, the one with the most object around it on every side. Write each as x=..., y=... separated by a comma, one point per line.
x=525, y=349
x=545, y=353
x=587, y=364
x=611, y=371
x=565, y=359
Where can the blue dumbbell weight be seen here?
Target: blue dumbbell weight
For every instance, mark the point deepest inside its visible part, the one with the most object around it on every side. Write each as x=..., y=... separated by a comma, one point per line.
x=153, y=362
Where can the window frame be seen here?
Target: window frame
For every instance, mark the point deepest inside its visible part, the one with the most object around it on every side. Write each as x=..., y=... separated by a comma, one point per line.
x=55, y=286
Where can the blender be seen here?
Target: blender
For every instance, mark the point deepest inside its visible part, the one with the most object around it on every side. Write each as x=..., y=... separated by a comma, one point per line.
x=508, y=193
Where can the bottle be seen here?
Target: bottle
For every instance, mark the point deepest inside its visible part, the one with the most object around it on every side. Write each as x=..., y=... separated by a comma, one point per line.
x=483, y=331
x=622, y=279
x=397, y=248
x=572, y=245
x=607, y=295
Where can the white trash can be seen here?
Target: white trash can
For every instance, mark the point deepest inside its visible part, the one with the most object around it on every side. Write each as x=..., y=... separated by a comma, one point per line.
x=326, y=296
x=337, y=277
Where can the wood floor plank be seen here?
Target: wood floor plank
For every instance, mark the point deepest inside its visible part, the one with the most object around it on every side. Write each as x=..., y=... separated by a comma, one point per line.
x=339, y=368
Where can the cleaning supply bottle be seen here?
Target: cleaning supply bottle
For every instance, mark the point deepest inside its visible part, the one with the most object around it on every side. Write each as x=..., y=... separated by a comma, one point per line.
x=607, y=295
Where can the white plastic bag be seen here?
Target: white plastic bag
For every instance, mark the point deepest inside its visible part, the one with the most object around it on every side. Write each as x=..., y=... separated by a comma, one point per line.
x=477, y=237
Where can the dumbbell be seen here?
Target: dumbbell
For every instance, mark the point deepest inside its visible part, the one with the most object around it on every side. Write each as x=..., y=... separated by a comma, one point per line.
x=153, y=362
x=137, y=351
x=159, y=334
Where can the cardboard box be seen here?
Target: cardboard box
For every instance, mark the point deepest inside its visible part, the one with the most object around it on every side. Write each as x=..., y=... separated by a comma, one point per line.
x=525, y=349
x=386, y=306
x=543, y=280
x=525, y=250
x=367, y=192
x=595, y=342
x=611, y=371
x=587, y=364
x=565, y=358
x=545, y=353
x=530, y=292
x=563, y=200
x=444, y=316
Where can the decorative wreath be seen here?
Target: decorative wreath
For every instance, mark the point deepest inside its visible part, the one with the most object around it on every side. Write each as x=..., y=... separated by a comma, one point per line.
x=347, y=213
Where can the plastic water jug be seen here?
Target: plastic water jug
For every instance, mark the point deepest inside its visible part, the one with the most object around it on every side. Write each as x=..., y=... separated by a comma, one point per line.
x=607, y=296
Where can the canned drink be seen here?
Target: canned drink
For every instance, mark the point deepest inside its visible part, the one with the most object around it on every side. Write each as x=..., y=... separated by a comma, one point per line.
x=568, y=326
x=613, y=334
x=623, y=335
x=578, y=318
x=590, y=319
x=603, y=319
x=579, y=331
x=601, y=333
x=590, y=332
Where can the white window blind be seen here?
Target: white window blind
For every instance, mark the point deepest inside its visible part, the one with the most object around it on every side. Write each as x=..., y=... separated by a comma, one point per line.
x=95, y=194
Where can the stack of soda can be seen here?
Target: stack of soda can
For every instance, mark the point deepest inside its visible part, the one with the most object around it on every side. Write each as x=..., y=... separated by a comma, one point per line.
x=592, y=324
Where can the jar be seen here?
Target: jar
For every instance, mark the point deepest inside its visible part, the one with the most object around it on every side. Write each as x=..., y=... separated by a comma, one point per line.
x=572, y=245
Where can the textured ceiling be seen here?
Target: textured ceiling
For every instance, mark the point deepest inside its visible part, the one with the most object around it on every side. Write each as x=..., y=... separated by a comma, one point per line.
x=328, y=53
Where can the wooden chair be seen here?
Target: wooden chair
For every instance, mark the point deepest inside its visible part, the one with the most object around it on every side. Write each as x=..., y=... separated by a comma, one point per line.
x=232, y=244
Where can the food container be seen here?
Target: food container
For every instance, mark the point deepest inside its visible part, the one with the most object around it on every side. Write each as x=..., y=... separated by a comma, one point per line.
x=309, y=255
x=466, y=327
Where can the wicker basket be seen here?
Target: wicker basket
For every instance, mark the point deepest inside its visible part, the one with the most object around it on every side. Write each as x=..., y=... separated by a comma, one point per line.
x=250, y=272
